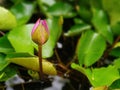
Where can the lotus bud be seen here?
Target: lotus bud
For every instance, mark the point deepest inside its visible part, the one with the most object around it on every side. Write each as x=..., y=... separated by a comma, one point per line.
x=40, y=32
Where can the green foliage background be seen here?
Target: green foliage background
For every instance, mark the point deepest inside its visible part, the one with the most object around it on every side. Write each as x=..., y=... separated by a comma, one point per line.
x=95, y=24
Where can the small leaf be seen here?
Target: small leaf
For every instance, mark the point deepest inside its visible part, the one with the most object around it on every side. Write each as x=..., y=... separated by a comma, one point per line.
x=77, y=29
x=33, y=64
x=7, y=19
x=3, y=62
x=7, y=73
x=20, y=39
x=23, y=11
x=61, y=9
x=15, y=55
x=100, y=22
x=33, y=74
x=48, y=2
x=90, y=48
x=78, y=21
x=117, y=45
x=117, y=62
x=5, y=46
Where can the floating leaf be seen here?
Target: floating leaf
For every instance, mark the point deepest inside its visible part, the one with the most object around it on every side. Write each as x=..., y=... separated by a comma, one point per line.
x=77, y=29
x=90, y=48
x=20, y=39
x=23, y=11
x=33, y=64
x=100, y=22
x=7, y=19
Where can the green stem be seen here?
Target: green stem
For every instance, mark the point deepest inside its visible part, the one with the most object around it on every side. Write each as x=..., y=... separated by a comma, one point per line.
x=40, y=62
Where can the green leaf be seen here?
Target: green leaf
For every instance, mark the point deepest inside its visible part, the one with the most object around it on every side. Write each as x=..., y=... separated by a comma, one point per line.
x=20, y=39
x=15, y=55
x=5, y=46
x=90, y=48
x=84, y=10
x=116, y=28
x=78, y=68
x=48, y=2
x=3, y=62
x=61, y=9
x=78, y=21
x=23, y=11
x=115, y=85
x=102, y=76
x=33, y=74
x=115, y=52
x=113, y=9
x=77, y=29
x=117, y=62
x=100, y=22
x=55, y=27
x=7, y=73
x=7, y=19
x=99, y=76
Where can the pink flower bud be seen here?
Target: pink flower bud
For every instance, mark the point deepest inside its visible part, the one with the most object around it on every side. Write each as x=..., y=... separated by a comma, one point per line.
x=40, y=32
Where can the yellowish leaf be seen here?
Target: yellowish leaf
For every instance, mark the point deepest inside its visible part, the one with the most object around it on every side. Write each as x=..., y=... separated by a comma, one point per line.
x=33, y=64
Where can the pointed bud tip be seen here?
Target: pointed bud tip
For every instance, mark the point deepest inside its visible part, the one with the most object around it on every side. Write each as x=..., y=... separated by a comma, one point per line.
x=36, y=25
x=40, y=32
